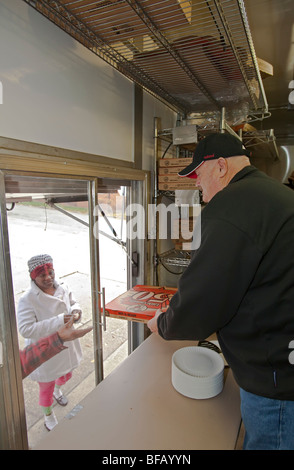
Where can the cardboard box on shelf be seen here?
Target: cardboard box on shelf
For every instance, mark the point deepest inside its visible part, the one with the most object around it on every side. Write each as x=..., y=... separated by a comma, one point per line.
x=140, y=302
x=181, y=162
x=183, y=246
x=168, y=178
x=173, y=181
x=182, y=233
x=169, y=170
x=177, y=185
x=183, y=228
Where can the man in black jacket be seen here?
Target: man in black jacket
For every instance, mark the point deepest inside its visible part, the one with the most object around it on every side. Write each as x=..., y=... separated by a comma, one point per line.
x=240, y=284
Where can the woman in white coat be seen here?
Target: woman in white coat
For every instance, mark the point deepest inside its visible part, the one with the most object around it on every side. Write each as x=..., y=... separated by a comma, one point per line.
x=42, y=310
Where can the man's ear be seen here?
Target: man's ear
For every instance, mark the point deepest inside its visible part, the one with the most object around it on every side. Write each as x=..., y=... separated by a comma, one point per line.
x=223, y=166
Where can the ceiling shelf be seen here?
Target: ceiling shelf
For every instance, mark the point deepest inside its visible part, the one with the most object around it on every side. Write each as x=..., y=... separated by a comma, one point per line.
x=195, y=55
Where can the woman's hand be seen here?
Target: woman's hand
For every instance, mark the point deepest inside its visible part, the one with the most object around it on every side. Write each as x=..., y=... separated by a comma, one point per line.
x=75, y=314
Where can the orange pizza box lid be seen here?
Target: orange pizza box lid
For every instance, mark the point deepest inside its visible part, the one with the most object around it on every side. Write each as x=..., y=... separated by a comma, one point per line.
x=140, y=302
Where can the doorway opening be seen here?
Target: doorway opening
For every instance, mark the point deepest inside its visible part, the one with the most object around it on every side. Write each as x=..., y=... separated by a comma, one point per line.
x=51, y=215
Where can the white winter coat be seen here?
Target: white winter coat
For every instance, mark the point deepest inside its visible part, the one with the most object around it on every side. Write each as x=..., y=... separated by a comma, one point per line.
x=40, y=315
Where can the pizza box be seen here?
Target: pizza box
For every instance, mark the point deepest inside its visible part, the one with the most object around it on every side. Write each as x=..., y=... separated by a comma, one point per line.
x=189, y=184
x=170, y=170
x=179, y=162
x=170, y=179
x=140, y=302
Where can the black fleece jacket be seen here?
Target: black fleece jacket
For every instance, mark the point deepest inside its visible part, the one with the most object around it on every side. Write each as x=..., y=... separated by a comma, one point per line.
x=240, y=284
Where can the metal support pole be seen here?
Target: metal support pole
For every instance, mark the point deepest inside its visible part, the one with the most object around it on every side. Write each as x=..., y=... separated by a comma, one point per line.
x=95, y=283
x=13, y=429
x=154, y=253
x=224, y=126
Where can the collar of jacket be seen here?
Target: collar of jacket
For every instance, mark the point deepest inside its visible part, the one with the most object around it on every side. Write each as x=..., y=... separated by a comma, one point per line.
x=37, y=290
x=242, y=173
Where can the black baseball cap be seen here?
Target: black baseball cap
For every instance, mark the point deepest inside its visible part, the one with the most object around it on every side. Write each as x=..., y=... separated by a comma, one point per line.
x=213, y=147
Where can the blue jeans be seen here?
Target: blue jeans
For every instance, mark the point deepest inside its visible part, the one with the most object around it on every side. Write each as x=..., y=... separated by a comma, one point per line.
x=269, y=423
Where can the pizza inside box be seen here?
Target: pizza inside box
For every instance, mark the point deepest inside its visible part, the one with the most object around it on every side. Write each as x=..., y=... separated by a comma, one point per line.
x=140, y=302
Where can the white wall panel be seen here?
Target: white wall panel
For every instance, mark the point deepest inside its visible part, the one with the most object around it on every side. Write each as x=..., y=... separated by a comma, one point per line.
x=56, y=92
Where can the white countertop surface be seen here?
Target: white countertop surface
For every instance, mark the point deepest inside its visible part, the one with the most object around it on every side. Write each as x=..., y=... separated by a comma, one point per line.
x=136, y=407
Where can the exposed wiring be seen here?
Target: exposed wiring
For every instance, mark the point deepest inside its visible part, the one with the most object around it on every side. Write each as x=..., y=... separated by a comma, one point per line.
x=166, y=150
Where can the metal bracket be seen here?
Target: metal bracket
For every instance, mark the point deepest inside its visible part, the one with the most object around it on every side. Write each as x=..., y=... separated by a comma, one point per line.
x=103, y=308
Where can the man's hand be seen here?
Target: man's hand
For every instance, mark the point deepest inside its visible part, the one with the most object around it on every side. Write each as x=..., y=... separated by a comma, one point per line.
x=152, y=324
x=67, y=333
